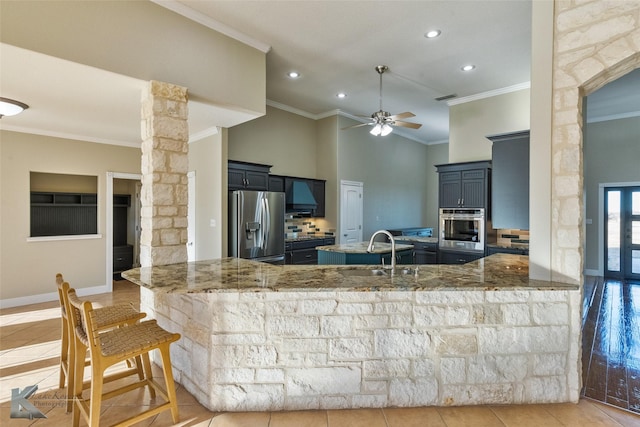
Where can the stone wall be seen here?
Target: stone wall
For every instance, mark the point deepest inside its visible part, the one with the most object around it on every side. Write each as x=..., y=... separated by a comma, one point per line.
x=331, y=350
x=595, y=42
x=165, y=136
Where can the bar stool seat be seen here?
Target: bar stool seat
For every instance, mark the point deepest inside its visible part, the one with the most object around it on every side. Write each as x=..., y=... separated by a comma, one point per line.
x=107, y=317
x=109, y=347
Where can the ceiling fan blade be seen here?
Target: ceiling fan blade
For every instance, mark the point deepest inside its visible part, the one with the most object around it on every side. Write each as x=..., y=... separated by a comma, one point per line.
x=404, y=115
x=357, y=126
x=407, y=125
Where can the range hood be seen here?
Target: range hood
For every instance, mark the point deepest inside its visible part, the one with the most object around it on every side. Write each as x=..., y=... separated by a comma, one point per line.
x=299, y=198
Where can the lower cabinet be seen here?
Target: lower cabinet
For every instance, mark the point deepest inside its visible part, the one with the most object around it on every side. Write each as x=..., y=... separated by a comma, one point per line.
x=304, y=251
x=423, y=252
x=342, y=258
x=122, y=258
x=502, y=250
x=454, y=257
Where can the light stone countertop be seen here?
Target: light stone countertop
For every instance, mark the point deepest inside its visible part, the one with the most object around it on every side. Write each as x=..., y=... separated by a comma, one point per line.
x=496, y=272
x=417, y=239
x=361, y=248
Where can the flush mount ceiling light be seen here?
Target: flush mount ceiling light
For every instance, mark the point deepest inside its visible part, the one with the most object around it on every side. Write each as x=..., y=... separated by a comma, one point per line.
x=341, y=95
x=293, y=74
x=432, y=34
x=10, y=107
x=468, y=67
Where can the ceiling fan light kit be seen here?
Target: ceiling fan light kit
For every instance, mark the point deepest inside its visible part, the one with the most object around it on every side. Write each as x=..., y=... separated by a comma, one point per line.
x=11, y=107
x=382, y=121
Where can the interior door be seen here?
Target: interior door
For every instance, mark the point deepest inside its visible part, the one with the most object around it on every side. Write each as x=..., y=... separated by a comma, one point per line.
x=351, y=202
x=622, y=232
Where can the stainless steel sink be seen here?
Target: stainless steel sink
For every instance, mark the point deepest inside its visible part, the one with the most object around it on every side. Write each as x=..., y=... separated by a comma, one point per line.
x=378, y=272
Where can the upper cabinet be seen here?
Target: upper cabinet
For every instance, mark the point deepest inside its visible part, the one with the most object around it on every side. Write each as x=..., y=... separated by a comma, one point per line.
x=510, y=186
x=464, y=185
x=248, y=176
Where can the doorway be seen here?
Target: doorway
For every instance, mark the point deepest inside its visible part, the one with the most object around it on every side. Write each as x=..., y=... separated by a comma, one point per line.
x=622, y=232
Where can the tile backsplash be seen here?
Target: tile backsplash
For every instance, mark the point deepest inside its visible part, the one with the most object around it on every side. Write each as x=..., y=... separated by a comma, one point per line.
x=296, y=227
x=510, y=237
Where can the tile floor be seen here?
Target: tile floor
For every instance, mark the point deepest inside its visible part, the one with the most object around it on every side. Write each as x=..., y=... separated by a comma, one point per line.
x=29, y=351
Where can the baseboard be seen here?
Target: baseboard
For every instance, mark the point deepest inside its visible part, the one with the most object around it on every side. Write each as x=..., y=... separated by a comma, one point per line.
x=50, y=296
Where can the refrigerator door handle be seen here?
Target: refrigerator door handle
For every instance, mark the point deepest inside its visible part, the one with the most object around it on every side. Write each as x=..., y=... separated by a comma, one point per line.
x=267, y=223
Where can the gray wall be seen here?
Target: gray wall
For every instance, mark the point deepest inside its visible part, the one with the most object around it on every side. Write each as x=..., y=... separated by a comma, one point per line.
x=611, y=155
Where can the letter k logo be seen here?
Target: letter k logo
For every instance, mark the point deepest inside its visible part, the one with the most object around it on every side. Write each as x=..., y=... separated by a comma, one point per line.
x=21, y=407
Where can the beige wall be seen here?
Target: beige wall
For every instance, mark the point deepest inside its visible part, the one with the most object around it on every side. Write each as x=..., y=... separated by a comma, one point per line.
x=394, y=171
x=281, y=139
x=131, y=38
x=471, y=122
x=208, y=161
x=29, y=267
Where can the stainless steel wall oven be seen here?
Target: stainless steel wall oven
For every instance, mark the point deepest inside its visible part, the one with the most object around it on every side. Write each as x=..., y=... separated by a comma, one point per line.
x=462, y=229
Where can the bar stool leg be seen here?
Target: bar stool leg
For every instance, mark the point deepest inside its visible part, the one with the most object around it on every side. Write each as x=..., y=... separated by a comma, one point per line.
x=169, y=382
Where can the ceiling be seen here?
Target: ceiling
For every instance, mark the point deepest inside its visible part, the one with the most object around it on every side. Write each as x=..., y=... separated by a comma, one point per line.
x=334, y=45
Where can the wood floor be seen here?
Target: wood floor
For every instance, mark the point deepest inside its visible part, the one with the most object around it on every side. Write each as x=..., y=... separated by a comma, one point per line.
x=611, y=344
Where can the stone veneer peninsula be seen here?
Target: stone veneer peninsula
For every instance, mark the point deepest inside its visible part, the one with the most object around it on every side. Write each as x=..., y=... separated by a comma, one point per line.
x=259, y=337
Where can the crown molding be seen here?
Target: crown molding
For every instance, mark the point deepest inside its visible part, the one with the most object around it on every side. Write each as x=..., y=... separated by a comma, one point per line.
x=214, y=130
x=489, y=94
x=290, y=109
x=211, y=23
x=62, y=135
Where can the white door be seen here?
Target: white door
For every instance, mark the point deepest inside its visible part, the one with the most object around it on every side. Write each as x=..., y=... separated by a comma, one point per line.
x=191, y=216
x=350, y=212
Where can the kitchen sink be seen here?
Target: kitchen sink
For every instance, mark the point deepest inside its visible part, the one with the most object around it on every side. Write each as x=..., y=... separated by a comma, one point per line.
x=378, y=272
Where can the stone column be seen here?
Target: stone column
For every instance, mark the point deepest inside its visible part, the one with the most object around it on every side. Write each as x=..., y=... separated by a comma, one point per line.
x=165, y=136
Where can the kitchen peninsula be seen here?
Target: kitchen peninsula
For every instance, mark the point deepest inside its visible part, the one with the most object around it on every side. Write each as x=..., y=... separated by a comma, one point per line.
x=258, y=337
x=358, y=253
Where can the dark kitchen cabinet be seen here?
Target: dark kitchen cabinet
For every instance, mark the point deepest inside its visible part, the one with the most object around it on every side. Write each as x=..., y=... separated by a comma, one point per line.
x=247, y=176
x=464, y=184
x=455, y=257
x=317, y=188
x=510, y=184
x=423, y=252
x=276, y=183
x=302, y=252
x=504, y=250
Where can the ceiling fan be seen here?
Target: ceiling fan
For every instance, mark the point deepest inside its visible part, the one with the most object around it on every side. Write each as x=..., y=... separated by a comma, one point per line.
x=381, y=120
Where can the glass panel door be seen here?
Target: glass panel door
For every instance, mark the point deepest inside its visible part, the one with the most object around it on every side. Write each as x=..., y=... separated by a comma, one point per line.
x=632, y=234
x=622, y=232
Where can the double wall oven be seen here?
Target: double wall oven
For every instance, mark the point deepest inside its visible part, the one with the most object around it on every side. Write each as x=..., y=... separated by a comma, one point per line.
x=462, y=229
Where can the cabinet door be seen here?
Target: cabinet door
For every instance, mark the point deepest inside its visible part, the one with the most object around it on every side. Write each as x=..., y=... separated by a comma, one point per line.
x=424, y=257
x=304, y=256
x=446, y=257
x=449, y=194
x=318, y=189
x=510, y=184
x=257, y=180
x=472, y=194
x=235, y=178
x=276, y=183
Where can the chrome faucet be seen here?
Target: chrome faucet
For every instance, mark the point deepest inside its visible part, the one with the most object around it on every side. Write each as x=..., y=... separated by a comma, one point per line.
x=393, y=247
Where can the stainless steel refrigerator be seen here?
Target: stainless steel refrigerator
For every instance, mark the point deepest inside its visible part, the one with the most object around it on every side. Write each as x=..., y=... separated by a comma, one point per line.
x=256, y=225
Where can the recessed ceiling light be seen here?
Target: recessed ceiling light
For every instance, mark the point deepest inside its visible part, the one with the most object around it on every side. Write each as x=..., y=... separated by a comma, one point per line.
x=293, y=74
x=341, y=95
x=432, y=34
x=468, y=67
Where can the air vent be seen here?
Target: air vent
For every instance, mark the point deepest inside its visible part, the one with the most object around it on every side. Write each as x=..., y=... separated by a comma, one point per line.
x=444, y=98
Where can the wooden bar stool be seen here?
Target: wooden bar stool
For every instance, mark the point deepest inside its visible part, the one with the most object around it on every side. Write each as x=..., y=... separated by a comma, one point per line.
x=107, y=348
x=108, y=318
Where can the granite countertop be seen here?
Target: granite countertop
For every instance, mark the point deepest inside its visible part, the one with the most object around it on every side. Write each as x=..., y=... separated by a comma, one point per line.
x=361, y=248
x=417, y=239
x=496, y=272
